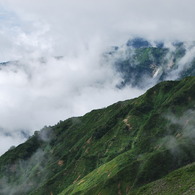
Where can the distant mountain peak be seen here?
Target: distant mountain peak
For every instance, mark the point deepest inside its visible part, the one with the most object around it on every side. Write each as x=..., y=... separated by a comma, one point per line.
x=138, y=42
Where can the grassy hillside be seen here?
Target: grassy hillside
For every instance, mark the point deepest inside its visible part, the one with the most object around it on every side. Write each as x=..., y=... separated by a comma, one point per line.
x=181, y=181
x=115, y=150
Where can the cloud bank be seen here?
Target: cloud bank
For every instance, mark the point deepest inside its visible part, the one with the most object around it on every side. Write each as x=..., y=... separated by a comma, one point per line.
x=37, y=89
x=59, y=27
x=38, y=92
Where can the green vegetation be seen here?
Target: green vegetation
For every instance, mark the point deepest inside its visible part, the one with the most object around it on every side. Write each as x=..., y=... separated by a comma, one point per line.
x=120, y=149
x=181, y=181
x=141, y=66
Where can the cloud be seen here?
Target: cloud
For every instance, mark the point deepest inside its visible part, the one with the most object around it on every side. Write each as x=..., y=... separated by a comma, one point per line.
x=184, y=63
x=63, y=25
x=38, y=92
x=180, y=133
x=26, y=181
x=8, y=140
x=33, y=93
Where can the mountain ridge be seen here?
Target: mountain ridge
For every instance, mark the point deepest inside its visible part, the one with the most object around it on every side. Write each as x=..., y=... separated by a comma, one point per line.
x=143, y=63
x=104, y=145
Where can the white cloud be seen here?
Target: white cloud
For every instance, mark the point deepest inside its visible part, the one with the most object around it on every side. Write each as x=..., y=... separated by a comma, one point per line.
x=183, y=64
x=34, y=94
x=63, y=25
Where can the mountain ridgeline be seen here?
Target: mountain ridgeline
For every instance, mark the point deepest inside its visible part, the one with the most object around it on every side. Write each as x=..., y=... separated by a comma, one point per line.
x=139, y=146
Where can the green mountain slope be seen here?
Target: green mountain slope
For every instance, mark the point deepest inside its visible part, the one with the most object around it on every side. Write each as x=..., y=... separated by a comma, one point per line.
x=181, y=181
x=114, y=150
x=177, y=182
x=142, y=63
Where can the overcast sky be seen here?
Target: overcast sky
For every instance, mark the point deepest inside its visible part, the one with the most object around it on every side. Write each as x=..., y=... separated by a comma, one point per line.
x=56, y=27
x=33, y=94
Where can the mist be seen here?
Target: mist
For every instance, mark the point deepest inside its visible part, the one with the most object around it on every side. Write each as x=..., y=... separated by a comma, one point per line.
x=184, y=126
x=37, y=92
x=25, y=181
x=54, y=49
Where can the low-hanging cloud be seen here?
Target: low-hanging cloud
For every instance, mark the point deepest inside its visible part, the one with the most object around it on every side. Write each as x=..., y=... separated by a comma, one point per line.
x=184, y=130
x=37, y=89
x=26, y=181
x=38, y=92
x=184, y=63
